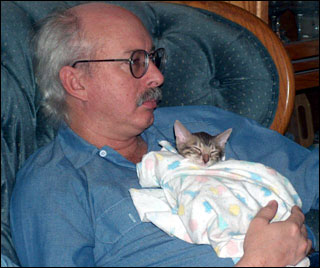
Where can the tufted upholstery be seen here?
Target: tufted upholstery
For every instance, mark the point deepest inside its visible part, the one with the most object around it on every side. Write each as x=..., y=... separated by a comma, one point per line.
x=211, y=61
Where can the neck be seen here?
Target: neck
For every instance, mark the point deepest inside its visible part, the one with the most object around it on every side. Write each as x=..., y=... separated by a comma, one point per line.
x=132, y=148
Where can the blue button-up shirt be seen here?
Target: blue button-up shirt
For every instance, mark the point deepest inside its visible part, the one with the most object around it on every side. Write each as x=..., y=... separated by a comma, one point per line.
x=71, y=205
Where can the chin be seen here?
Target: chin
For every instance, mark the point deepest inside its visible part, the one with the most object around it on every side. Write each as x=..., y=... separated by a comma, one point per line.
x=145, y=120
x=150, y=122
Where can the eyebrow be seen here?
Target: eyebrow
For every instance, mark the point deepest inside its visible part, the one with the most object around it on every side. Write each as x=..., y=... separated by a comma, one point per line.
x=131, y=50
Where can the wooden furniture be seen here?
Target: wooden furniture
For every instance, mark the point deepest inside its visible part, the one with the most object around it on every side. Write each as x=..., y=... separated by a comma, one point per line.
x=301, y=125
x=305, y=60
x=272, y=43
x=257, y=8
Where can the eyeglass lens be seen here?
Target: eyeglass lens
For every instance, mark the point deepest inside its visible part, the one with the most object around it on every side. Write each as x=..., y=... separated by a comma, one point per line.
x=158, y=58
x=140, y=61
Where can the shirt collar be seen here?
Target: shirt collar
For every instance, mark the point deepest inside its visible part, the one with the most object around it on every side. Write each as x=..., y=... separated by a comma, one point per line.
x=79, y=151
x=76, y=149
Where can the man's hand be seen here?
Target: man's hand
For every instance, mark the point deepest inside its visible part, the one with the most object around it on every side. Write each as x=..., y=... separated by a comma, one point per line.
x=275, y=244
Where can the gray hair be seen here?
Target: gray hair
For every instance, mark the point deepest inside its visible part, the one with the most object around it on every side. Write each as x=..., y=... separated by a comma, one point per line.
x=59, y=42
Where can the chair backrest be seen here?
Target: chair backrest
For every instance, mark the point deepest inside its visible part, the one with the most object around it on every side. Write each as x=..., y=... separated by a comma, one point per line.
x=211, y=61
x=274, y=47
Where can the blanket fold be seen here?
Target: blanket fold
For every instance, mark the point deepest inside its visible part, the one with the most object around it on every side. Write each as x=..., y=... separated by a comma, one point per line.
x=208, y=205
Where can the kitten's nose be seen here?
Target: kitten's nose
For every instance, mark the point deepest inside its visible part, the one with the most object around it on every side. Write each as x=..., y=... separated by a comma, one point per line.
x=205, y=158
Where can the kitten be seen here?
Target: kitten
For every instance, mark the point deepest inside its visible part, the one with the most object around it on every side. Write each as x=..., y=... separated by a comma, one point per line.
x=201, y=147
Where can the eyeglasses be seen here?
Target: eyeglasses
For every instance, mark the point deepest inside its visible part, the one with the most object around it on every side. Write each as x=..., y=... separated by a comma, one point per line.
x=139, y=61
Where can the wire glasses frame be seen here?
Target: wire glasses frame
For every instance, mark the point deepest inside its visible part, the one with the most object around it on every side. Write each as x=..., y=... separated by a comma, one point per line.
x=139, y=61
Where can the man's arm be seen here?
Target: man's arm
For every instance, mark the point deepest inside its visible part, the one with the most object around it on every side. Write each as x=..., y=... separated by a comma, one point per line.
x=275, y=244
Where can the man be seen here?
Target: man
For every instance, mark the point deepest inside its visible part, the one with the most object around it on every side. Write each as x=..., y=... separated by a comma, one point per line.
x=71, y=205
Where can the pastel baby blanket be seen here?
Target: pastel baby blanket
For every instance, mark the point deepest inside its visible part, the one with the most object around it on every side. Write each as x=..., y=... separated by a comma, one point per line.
x=208, y=205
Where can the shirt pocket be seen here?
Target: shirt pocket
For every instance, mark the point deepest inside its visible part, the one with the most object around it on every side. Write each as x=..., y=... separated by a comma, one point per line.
x=116, y=221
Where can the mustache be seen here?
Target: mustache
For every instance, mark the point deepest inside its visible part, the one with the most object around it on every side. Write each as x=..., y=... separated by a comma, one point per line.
x=150, y=94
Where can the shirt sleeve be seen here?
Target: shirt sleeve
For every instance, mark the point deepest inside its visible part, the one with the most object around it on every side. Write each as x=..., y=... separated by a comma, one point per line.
x=50, y=218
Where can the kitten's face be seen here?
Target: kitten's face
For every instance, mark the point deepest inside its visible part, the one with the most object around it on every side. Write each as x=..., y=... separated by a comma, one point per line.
x=202, y=148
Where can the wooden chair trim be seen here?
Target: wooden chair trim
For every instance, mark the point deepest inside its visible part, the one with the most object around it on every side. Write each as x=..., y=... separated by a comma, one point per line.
x=274, y=46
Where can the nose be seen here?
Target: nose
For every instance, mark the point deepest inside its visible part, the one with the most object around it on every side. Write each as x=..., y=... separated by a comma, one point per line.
x=153, y=77
x=205, y=158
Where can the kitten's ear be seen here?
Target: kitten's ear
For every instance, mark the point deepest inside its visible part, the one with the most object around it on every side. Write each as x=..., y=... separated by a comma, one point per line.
x=222, y=138
x=182, y=134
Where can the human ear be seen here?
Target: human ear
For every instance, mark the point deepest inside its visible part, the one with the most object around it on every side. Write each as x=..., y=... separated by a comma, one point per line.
x=71, y=81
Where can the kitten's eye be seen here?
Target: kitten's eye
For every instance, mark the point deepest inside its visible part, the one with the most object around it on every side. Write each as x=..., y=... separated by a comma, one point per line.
x=214, y=154
x=197, y=150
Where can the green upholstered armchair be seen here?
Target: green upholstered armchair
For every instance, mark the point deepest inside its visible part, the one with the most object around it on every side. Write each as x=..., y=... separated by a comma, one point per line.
x=211, y=61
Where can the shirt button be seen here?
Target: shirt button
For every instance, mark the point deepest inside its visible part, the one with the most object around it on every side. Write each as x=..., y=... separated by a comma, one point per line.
x=103, y=153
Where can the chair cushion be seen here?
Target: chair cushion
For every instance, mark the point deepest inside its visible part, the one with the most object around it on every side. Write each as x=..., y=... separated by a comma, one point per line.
x=211, y=61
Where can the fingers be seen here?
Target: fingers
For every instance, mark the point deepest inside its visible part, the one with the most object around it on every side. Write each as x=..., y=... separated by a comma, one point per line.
x=302, y=252
x=309, y=247
x=298, y=228
x=296, y=216
x=305, y=235
x=304, y=231
x=267, y=213
x=291, y=234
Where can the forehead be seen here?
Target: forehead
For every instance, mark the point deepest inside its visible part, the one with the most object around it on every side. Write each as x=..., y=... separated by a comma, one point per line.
x=113, y=32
